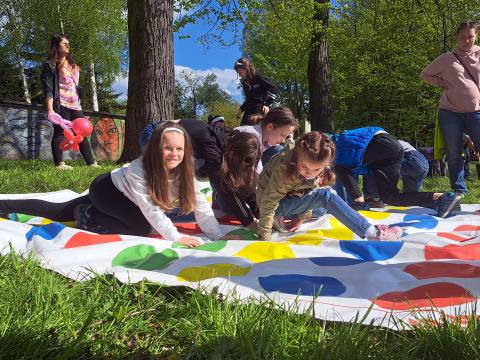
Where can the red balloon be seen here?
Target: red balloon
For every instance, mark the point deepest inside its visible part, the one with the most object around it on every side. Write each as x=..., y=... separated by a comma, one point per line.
x=82, y=127
x=71, y=141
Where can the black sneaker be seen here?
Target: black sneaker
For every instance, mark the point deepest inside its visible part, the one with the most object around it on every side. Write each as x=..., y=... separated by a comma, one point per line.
x=357, y=205
x=447, y=203
x=81, y=216
x=375, y=203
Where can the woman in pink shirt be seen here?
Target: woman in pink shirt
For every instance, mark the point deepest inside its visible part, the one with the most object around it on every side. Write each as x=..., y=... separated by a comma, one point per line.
x=60, y=79
x=458, y=72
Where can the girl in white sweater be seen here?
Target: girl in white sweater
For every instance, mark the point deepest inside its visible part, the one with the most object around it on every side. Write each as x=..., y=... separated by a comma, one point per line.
x=137, y=197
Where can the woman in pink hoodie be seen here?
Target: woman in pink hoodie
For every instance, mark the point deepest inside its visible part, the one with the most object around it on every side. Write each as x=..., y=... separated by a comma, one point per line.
x=458, y=72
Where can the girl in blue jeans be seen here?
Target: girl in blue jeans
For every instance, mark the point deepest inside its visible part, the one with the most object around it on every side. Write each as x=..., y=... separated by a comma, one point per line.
x=293, y=183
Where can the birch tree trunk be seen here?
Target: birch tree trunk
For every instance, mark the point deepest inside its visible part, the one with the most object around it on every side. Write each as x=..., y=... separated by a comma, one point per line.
x=93, y=84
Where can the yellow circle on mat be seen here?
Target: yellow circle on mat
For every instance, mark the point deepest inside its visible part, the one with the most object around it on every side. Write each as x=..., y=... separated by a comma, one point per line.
x=339, y=231
x=389, y=207
x=305, y=239
x=375, y=215
x=264, y=251
x=198, y=273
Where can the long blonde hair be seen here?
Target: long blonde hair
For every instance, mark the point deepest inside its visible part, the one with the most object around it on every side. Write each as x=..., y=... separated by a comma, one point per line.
x=157, y=175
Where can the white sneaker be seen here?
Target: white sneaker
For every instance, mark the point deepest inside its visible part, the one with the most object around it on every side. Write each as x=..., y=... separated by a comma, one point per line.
x=63, y=166
x=95, y=165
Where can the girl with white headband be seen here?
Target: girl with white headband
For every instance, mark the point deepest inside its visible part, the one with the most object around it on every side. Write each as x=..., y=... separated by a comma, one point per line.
x=137, y=197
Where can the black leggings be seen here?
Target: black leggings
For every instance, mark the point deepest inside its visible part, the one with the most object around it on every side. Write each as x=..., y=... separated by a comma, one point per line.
x=383, y=156
x=58, y=137
x=109, y=208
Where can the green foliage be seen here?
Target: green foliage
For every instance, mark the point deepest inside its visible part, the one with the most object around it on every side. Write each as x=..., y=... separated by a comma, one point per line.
x=97, y=31
x=228, y=110
x=195, y=95
x=378, y=50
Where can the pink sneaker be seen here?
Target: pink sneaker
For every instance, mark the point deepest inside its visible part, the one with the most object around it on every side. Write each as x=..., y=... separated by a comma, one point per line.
x=384, y=232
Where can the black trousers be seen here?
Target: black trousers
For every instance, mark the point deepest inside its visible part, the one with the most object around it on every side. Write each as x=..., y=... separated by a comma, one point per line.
x=58, y=137
x=109, y=208
x=384, y=155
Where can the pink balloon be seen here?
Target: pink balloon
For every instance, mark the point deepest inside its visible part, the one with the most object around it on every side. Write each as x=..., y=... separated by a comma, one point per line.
x=82, y=127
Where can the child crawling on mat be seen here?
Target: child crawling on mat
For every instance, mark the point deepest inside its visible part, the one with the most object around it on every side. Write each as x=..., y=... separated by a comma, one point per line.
x=136, y=197
x=294, y=182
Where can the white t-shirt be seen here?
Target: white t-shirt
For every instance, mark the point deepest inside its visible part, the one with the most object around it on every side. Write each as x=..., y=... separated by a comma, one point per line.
x=257, y=131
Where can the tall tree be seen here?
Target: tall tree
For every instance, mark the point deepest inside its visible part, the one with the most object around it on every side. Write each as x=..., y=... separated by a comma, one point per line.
x=319, y=77
x=151, y=69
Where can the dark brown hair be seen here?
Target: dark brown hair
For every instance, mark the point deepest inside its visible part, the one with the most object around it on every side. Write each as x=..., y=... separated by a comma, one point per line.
x=314, y=146
x=157, y=175
x=54, y=52
x=240, y=159
x=466, y=25
x=279, y=117
x=246, y=64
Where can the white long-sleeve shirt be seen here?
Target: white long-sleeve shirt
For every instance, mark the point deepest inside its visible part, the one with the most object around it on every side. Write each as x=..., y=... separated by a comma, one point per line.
x=130, y=180
x=257, y=131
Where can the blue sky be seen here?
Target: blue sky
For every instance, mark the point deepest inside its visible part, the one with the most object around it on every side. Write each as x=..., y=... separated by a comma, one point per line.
x=192, y=56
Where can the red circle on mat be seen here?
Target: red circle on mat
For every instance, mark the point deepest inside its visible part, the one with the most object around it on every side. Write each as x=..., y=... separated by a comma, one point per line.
x=431, y=295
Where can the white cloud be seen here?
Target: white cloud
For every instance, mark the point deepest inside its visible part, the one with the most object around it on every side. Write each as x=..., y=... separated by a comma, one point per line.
x=226, y=78
x=121, y=86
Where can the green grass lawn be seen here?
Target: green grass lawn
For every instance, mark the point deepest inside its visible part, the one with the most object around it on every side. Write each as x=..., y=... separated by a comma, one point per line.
x=46, y=316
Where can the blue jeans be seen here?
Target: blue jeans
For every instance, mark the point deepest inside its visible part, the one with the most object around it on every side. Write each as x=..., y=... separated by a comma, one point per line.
x=272, y=150
x=324, y=199
x=414, y=170
x=453, y=125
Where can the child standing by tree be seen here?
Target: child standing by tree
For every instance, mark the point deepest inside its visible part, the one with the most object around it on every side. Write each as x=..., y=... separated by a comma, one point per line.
x=293, y=183
x=260, y=92
x=133, y=199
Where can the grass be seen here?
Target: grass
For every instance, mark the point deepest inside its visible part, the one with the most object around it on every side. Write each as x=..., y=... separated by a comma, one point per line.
x=46, y=316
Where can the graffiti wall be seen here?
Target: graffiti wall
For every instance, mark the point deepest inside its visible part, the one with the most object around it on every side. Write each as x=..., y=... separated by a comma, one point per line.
x=26, y=133
x=107, y=138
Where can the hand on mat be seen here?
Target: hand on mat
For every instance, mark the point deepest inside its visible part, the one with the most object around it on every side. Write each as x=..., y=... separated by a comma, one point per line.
x=189, y=241
x=293, y=224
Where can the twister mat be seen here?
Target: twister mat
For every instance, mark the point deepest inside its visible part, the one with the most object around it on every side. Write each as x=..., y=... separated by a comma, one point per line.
x=433, y=273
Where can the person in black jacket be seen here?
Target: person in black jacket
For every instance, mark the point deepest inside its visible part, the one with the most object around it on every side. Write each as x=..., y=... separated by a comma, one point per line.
x=60, y=79
x=228, y=159
x=260, y=92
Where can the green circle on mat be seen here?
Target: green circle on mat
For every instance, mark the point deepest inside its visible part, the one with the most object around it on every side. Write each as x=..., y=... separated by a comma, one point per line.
x=211, y=246
x=145, y=257
x=245, y=234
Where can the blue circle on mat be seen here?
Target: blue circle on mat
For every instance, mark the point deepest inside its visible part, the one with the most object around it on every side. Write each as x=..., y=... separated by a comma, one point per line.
x=371, y=250
x=335, y=261
x=48, y=232
x=296, y=284
x=425, y=222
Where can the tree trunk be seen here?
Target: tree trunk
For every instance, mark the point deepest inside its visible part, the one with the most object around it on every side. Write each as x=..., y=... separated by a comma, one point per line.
x=26, y=92
x=319, y=77
x=151, y=79
x=93, y=83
